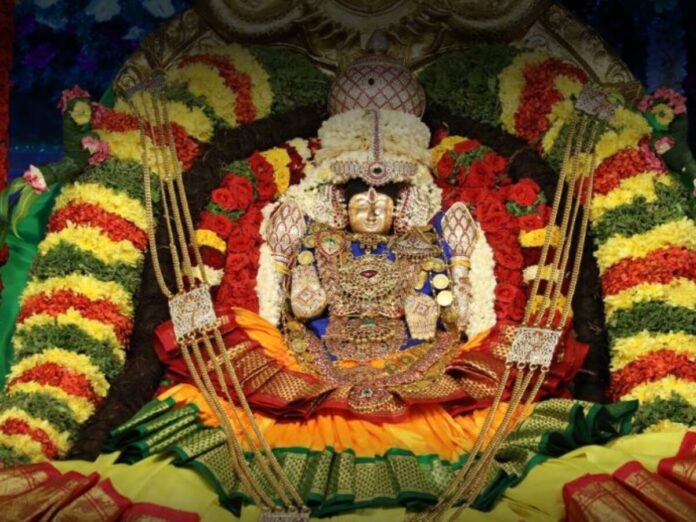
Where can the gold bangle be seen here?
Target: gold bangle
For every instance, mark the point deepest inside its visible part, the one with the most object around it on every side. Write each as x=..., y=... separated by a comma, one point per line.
x=460, y=261
x=281, y=268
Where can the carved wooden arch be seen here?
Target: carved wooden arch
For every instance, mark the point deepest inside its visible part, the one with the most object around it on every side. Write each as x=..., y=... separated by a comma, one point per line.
x=333, y=33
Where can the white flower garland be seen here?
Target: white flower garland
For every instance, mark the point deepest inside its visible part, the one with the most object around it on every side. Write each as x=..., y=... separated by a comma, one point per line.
x=312, y=197
x=268, y=280
x=302, y=147
x=482, y=315
x=402, y=134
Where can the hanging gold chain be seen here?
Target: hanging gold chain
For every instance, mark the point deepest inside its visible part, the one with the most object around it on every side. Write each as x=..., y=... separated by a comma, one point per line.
x=175, y=207
x=473, y=476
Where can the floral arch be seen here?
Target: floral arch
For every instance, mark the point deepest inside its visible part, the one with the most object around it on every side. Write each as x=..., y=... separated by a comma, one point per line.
x=244, y=121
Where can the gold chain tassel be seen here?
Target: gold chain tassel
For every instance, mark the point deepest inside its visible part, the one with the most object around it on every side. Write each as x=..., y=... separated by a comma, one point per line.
x=472, y=478
x=175, y=208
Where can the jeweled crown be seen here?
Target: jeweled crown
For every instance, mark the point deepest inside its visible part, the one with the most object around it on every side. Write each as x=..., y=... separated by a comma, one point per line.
x=377, y=81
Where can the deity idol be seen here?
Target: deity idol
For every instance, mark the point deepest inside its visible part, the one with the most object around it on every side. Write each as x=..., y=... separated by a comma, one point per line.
x=369, y=369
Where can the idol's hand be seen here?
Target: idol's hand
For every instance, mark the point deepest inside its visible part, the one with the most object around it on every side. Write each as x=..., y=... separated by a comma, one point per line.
x=286, y=228
x=459, y=230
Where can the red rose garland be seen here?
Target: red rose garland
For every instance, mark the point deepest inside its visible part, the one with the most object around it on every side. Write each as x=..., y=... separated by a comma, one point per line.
x=229, y=227
x=476, y=175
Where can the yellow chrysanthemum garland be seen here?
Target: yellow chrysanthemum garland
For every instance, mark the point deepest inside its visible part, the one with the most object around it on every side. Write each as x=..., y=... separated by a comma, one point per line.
x=680, y=233
x=109, y=199
x=510, y=84
x=642, y=185
x=193, y=119
x=77, y=362
x=91, y=239
x=201, y=80
x=98, y=330
x=279, y=158
x=46, y=335
x=562, y=110
x=245, y=62
x=628, y=349
x=89, y=286
x=678, y=292
x=628, y=131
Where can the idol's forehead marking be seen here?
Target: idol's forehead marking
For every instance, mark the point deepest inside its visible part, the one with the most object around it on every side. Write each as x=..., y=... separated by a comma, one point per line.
x=371, y=195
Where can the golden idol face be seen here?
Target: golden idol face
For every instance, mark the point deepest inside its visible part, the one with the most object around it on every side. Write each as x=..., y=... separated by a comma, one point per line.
x=371, y=212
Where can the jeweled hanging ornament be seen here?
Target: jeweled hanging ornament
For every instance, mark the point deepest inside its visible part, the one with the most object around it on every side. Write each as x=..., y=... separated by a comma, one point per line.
x=460, y=231
x=307, y=297
x=534, y=343
x=422, y=313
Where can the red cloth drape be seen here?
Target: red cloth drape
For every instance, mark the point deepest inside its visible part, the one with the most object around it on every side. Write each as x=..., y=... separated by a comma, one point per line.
x=41, y=492
x=632, y=493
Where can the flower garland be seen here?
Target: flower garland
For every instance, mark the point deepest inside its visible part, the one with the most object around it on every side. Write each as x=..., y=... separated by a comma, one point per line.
x=77, y=309
x=120, y=131
x=645, y=242
x=401, y=134
x=646, y=250
x=229, y=229
x=644, y=236
x=472, y=173
x=541, y=93
x=76, y=312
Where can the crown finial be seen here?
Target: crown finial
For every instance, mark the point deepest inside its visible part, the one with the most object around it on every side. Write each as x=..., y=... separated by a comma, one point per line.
x=377, y=81
x=378, y=43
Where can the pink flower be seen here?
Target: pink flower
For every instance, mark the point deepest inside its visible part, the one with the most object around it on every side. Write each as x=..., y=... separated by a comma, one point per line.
x=651, y=159
x=35, y=179
x=676, y=101
x=70, y=94
x=99, y=149
x=663, y=145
